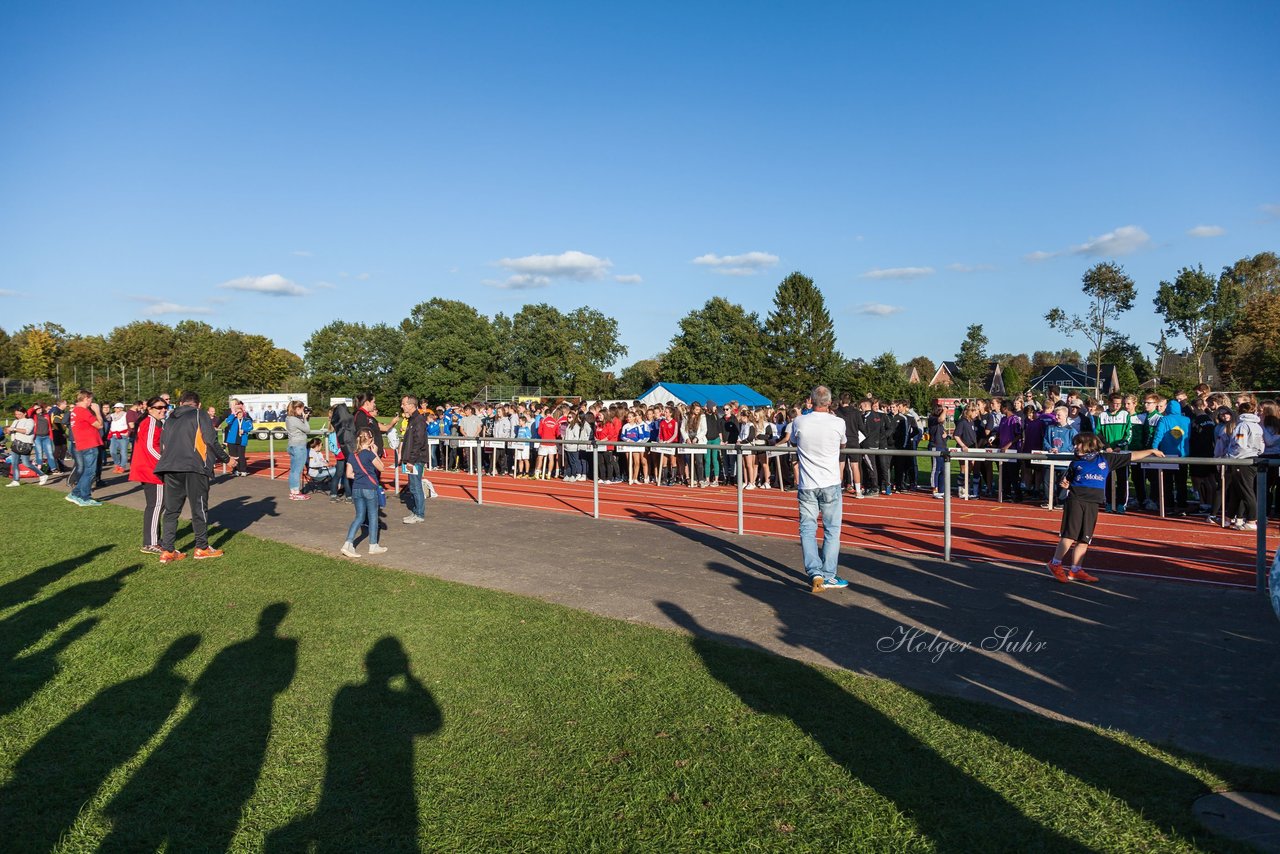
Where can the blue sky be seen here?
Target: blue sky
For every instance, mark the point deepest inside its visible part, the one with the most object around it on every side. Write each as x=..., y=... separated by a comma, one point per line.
x=275, y=166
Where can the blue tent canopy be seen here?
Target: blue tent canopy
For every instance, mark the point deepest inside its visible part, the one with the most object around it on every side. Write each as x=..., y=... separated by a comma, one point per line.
x=689, y=393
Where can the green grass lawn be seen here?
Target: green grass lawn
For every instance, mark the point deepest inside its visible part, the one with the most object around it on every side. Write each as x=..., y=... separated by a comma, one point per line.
x=275, y=698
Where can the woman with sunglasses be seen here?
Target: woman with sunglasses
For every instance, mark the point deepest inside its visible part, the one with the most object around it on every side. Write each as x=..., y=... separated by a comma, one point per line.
x=146, y=452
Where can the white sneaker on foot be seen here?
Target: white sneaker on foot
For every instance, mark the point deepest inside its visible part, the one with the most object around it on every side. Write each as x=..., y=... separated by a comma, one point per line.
x=349, y=550
x=375, y=549
x=12, y=483
x=44, y=478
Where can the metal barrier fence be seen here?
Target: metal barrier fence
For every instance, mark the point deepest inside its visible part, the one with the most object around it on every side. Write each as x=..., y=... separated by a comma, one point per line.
x=478, y=445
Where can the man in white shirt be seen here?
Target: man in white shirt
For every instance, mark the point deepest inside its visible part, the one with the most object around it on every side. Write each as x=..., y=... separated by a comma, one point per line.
x=818, y=437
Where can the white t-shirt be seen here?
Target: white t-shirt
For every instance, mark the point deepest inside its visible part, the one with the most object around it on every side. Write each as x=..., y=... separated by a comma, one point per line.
x=818, y=438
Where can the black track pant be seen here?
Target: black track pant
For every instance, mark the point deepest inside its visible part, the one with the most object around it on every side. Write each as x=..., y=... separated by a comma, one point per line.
x=151, y=516
x=180, y=488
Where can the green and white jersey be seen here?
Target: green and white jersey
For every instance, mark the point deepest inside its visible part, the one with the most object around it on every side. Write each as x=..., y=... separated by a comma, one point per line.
x=1115, y=429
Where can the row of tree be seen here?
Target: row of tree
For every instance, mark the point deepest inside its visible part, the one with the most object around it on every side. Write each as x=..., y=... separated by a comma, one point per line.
x=446, y=349
x=142, y=357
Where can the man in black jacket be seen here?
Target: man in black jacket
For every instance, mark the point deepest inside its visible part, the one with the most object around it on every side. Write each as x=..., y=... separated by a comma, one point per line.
x=188, y=450
x=852, y=416
x=413, y=456
x=344, y=430
x=876, y=426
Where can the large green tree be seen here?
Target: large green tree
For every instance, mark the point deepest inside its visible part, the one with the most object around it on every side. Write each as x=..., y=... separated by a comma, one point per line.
x=639, y=377
x=343, y=359
x=718, y=343
x=800, y=340
x=448, y=351
x=143, y=344
x=595, y=347
x=1191, y=309
x=560, y=353
x=1111, y=293
x=1254, y=356
x=1244, y=291
x=972, y=358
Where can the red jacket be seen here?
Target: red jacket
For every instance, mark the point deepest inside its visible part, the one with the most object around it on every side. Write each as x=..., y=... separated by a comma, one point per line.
x=146, y=452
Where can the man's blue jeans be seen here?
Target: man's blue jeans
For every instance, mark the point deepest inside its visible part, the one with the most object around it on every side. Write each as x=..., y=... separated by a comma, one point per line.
x=827, y=503
x=418, y=501
x=87, y=466
x=44, y=452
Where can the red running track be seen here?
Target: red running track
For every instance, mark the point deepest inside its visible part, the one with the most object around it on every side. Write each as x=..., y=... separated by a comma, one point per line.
x=1133, y=544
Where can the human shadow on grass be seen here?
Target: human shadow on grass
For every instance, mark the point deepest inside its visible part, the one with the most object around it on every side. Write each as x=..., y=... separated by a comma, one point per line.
x=63, y=770
x=26, y=627
x=21, y=679
x=369, y=801
x=189, y=793
x=948, y=806
x=27, y=586
x=841, y=633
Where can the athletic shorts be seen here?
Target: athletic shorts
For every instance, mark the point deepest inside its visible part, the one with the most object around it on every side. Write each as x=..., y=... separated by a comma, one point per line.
x=1078, y=520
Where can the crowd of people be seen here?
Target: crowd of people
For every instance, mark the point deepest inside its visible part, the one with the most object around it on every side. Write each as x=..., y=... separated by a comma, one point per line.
x=678, y=444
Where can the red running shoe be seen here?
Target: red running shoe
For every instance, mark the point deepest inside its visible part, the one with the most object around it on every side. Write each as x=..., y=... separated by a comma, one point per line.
x=170, y=557
x=1078, y=574
x=1059, y=574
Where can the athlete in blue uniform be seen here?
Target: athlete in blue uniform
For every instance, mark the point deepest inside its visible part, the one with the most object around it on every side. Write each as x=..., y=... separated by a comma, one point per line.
x=1086, y=478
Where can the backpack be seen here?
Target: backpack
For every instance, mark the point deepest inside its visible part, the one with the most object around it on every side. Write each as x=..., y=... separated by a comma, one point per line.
x=331, y=442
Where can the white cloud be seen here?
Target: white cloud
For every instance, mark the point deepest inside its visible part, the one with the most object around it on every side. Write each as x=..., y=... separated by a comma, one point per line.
x=363, y=277
x=629, y=279
x=878, y=309
x=5, y=292
x=747, y=264
x=1206, y=231
x=519, y=282
x=324, y=286
x=899, y=273
x=301, y=253
x=157, y=307
x=273, y=284
x=970, y=268
x=1122, y=241
x=1272, y=211
x=536, y=271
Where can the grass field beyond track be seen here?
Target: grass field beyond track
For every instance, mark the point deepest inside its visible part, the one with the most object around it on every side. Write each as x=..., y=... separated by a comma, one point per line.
x=278, y=699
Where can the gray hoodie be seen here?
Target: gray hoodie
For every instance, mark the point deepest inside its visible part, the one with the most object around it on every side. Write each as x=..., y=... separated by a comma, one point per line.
x=1246, y=438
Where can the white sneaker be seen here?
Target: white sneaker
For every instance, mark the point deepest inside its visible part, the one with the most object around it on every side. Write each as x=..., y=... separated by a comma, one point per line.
x=375, y=549
x=349, y=550
x=12, y=483
x=939, y=495
x=1247, y=526
x=413, y=520
x=749, y=486
x=764, y=486
x=44, y=478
